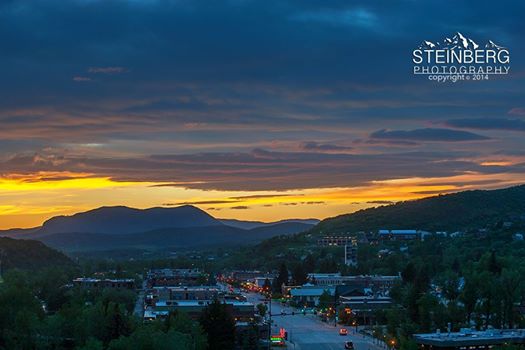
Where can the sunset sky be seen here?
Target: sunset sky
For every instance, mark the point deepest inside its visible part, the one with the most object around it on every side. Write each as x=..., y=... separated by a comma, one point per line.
x=248, y=109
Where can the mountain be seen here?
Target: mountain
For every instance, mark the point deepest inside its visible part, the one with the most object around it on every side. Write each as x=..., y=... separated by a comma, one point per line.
x=247, y=225
x=124, y=220
x=492, y=45
x=186, y=237
x=458, y=211
x=459, y=41
x=108, y=228
x=29, y=254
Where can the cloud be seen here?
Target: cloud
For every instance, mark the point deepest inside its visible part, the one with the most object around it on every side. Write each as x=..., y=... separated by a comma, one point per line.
x=428, y=134
x=200, y=202
x=359, y=17
x=323, y=147
x=106, y=70
x=380, y=202
x=240, y=207
x=81, y=79
x=260, y=196
x=260, y=169
x=517, y=111
x=487, y=124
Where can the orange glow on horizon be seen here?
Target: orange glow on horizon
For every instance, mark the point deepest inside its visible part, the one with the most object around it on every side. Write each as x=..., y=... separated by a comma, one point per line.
x=28, y=200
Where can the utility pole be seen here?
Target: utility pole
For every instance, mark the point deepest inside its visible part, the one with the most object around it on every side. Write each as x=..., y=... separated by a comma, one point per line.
x=270, y=320
x=335, y=306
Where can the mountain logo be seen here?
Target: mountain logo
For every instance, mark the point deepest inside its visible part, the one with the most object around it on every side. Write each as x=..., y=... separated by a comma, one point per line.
x=459, y=57
x=458, y=41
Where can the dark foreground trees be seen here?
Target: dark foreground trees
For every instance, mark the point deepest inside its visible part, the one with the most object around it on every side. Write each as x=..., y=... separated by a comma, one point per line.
x=218, y=323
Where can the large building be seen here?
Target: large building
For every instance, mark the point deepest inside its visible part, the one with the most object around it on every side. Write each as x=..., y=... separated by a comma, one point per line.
x=175, y=277
x=395, y=235
x=98, y=284
x=470, y=340
x=182, y=293
x=375, y=282
x=335, y=241
x=242, y=311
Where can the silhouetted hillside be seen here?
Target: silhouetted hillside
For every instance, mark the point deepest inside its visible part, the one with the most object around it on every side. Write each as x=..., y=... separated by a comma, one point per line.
x=29, y=254
x=123, y=220
x=458, y=211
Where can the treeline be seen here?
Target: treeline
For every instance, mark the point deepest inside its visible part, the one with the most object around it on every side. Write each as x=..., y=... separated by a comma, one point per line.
x=39, y=310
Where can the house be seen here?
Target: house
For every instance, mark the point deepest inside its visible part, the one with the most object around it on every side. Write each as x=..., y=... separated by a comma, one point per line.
x=309, y=294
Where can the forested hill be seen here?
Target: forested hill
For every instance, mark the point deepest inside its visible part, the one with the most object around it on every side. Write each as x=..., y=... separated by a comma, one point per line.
x=29, y=254
x=458, y=211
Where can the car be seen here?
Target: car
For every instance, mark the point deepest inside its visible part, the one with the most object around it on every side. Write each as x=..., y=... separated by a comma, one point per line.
x=343, y=331
x=349, y=345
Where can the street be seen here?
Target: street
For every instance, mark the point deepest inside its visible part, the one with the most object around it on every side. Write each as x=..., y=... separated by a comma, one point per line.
x=308, y=332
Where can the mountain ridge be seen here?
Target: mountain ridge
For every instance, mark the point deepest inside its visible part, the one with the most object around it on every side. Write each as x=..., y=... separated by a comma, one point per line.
x=464, y=210
x=121, y=227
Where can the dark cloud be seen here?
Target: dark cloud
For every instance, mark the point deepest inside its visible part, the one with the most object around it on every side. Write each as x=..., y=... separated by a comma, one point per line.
x=488, y=124
x=258, y=196
x=206, y=82
x=380, y=202
x=428, y=134
x=261, y=170
x=200, y=202
x=323, y=147
x=240, y=207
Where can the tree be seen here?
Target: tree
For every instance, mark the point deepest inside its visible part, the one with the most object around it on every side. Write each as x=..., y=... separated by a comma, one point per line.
x=469, y=296
x=145, y=338
x=282, y=278
x=299, y=276
x=219, y=325
x=267, y=286
x=262, y=309
x=326, y=300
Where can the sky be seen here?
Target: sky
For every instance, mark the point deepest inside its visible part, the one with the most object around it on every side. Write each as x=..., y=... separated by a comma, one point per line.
x=259, y=110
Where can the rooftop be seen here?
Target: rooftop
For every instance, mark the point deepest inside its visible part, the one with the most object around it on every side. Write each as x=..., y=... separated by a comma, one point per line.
x=470, y=337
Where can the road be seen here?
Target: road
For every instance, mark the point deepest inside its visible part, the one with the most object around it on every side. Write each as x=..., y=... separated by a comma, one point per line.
x=308, y=332
x=139, y=305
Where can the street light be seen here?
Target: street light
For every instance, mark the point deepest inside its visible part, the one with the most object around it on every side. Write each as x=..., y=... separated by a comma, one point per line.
x=393, y=343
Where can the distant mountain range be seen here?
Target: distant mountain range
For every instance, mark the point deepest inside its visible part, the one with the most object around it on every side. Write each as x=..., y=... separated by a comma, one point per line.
x=451, y=212
x=109, y=228
x=248, y=225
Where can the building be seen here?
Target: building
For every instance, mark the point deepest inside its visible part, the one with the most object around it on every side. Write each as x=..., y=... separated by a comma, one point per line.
x=259, y=281
x=468, y=339
x=365, y=304
x=175, y=277
x=395, y=235
x=351, y=253
x=96, y=283
x=242, y=311
x=183, y=293
x=308, y=295
x=335, y=241
x=247, y=276
x=375, y=282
